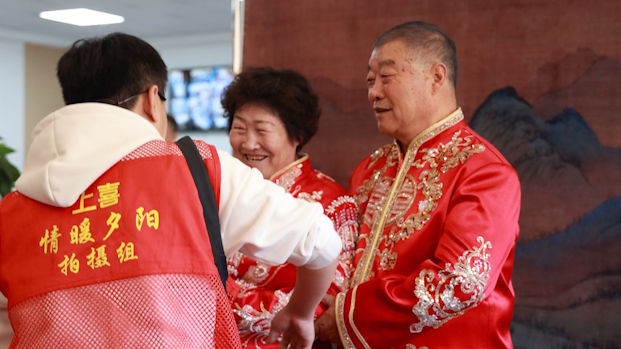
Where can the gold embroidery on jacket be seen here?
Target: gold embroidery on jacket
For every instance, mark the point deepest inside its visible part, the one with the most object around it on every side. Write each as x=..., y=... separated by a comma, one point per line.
x=233, y=263
x=376, y=200
x=361, y=238
x=287, y=179
x=448, y=156
x=348, y=234
x=388, y=259
x=403, y=201
x=341, y=200
x=340, y=319
x=256, y=276
x=440, y=160
x=344, y=214
x=315, y=196
x=391, y=152
x=365, y=264
x=437, y=301
x=461, y=149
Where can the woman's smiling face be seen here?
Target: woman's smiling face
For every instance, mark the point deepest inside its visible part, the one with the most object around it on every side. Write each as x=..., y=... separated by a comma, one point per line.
x=260, y=140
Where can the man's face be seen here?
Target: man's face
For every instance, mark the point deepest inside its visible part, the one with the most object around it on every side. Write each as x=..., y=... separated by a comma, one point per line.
x=399, y=90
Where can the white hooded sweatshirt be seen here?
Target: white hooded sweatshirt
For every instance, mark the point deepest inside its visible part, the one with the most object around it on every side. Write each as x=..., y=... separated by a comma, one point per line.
x=76, y=144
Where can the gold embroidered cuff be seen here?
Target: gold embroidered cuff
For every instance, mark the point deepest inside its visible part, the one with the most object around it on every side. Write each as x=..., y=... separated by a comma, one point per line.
x=437, y=302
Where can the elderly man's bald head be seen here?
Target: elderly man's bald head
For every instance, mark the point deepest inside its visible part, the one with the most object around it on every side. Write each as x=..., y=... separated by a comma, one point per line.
x=427, y=42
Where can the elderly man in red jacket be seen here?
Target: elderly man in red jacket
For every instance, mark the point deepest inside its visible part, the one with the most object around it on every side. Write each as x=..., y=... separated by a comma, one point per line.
x=439, y=212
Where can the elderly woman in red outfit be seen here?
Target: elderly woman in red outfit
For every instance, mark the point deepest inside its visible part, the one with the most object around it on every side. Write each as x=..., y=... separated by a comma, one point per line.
x=272, y=114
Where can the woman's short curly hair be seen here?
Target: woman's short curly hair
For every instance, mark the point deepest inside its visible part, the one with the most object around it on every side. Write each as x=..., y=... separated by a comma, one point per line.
x=284, y=92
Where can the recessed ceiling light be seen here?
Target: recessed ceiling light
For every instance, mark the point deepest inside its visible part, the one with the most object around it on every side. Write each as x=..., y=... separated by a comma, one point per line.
x=82, y=17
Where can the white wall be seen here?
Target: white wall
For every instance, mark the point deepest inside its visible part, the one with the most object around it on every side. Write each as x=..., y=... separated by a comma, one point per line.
x=43, y=92
x=198, y=51
x=195, y=51
x=12, y=99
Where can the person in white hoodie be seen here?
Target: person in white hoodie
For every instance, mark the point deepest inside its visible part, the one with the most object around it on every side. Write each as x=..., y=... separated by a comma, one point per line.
x=104, y=244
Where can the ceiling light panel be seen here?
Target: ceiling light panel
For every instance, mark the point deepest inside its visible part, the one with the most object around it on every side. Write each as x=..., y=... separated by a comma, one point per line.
x=82, y=17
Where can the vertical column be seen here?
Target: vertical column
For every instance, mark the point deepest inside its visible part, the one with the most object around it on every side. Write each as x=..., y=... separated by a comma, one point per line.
x=238, y=35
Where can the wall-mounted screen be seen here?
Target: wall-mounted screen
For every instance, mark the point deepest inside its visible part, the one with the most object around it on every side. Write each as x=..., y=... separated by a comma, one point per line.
x=194, y=97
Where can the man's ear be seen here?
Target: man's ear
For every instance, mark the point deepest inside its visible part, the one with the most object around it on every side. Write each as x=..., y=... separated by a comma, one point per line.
x=439, y=76
x=151, y=104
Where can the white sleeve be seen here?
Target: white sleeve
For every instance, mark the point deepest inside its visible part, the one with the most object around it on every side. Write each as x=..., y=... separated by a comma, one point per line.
x=262, y=221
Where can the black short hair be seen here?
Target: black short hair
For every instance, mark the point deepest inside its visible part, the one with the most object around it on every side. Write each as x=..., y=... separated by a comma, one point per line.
x=172, y=122
x=111, y=68
x=427, y=37
x=284, y=92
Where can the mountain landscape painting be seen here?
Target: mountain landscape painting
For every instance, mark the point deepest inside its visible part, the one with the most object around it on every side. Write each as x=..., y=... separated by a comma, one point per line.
x=567, y=275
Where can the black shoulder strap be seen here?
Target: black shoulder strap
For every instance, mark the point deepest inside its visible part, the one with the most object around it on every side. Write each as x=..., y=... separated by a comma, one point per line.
x=208, y=200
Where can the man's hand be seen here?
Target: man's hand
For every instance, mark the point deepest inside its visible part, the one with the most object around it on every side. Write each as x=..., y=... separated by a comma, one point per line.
x=325, y=326
x=298, y=333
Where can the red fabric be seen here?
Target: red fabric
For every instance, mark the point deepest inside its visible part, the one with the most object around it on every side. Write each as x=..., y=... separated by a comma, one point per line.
x=265, y=290
x=154, y=311
x=155, y=177
x=475, y=201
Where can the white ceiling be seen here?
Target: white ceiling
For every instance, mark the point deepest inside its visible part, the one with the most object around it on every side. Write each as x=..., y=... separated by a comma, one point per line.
x=167, y=20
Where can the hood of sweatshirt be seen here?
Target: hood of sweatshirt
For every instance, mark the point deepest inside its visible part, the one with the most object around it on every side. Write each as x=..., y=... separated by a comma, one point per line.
x=75, y=145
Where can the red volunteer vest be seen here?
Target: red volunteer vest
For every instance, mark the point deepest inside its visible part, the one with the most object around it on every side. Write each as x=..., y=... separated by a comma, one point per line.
x=128, y=265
